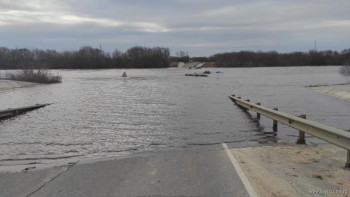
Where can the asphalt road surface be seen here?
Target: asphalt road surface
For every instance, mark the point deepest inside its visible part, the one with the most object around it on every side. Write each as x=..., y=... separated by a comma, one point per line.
x=182, y=173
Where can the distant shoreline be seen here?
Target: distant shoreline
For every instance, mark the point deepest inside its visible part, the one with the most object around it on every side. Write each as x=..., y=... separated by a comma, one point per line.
x=88, y=57
x=128, y=68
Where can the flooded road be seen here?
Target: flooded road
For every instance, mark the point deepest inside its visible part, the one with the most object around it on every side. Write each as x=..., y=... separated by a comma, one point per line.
x=98, y=114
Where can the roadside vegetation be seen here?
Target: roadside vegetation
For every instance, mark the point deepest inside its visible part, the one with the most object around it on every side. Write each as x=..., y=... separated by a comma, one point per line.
x=36, y=76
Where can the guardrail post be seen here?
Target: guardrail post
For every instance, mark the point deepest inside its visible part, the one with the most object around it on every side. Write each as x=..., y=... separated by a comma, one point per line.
x=275, y=122
x=258, y=114
x=301, y=139
x=347, y=165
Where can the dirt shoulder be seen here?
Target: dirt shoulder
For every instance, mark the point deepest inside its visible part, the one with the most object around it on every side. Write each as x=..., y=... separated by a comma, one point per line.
x=295, y=170
x=341, y=91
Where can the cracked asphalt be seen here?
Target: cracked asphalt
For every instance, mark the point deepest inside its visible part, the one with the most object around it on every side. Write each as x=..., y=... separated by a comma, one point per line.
x=183, y=173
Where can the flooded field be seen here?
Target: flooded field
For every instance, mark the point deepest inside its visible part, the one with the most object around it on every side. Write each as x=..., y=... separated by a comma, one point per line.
x=97, y=114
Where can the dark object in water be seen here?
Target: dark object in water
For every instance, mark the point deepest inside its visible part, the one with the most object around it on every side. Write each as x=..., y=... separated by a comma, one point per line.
x=29, y=168
x=196, y=75
x=124, y=74
x=206, y=72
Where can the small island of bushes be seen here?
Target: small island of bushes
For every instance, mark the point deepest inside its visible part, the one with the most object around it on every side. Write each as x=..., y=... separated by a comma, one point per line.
x=35, y=76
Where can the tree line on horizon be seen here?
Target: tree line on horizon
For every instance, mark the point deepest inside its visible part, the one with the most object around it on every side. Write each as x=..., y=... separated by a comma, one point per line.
x=273, y=58
x=88, y=57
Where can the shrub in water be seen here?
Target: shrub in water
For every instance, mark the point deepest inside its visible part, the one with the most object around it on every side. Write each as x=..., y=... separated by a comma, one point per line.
x=36, y=76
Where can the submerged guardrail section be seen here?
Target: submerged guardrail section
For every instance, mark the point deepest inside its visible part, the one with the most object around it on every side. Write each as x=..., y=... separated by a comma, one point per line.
x=327, y=133
x=16, y=111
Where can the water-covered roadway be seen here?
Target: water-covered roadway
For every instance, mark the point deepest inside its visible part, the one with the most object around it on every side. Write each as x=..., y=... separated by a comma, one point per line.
x=98, y=115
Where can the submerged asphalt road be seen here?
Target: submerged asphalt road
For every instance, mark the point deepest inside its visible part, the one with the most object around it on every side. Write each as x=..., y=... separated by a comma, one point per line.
x=190, y=173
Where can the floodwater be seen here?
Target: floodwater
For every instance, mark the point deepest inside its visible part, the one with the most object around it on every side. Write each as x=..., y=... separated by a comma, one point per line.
x=97, y=114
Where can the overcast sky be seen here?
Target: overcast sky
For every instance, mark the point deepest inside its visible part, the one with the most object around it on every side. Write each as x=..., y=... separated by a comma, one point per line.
x=201, y=27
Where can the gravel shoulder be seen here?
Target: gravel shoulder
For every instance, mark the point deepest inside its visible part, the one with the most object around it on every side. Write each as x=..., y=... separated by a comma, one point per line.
x=295, y=170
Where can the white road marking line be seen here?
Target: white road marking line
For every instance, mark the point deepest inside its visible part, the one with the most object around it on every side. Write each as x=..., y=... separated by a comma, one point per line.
x=240, y=172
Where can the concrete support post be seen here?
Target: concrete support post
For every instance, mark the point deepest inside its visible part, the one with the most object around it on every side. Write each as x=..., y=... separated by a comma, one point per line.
x=275, y=122
x=347, y=165
x=258, y=114
x=301, y=139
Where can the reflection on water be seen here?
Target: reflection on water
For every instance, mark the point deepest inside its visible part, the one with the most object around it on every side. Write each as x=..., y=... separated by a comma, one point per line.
x=97, y=114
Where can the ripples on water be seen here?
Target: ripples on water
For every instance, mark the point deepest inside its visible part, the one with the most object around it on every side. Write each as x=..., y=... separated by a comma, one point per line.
x=97, y=114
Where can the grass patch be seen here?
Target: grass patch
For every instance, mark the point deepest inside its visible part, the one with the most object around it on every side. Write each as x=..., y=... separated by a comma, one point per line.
x=35, y=76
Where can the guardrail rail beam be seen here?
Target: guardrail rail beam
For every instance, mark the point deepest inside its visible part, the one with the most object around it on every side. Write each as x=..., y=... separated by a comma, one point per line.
x=327, y=133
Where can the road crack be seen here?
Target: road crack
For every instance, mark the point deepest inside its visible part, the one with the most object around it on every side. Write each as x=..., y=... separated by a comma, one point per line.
x=51, y=179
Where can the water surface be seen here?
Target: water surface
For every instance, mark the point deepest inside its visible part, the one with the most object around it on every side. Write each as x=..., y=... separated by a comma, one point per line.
x=97, y=114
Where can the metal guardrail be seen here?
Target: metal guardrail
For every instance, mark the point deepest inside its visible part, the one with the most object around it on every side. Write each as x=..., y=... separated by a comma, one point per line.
x=15, y=111
x=332, y=135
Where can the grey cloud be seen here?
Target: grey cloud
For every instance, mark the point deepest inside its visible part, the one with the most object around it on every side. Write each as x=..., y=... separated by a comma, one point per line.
x=201, y=27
